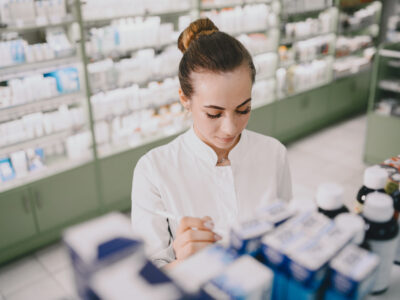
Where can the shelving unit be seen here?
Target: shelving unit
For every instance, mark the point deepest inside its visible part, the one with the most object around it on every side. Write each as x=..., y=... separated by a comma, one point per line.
x=383, y=123
x=68, y=191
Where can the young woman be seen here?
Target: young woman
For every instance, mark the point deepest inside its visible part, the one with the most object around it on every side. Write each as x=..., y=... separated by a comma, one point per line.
x=217, y=172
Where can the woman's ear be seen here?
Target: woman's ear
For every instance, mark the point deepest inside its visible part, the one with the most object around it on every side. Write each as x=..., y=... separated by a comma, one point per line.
x=184, y=100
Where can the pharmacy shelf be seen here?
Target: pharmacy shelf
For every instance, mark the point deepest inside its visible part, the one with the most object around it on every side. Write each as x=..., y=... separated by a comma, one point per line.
x=211, y=6
x=18, y=111
x=35, y=27
x=360, y=30
x=355, y=52
x=390, y=85
x=304, y=61
x=289, y=40
x=100, y=21
x=23, y=70
x=389, y=53
x=39, y=141
x=110, y=150
x=352, y=72
x=303, y=14
x=53, y=168
x=298, y=93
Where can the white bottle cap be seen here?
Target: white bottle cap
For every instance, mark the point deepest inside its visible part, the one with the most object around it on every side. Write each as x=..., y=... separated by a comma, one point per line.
x=378, y=207
x=353, y=223
x=329, y=196
x=375, y=178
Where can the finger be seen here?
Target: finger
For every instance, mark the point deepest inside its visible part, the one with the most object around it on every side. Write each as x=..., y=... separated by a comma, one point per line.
x=192, y=248
x=196, y=236
x=190, y=222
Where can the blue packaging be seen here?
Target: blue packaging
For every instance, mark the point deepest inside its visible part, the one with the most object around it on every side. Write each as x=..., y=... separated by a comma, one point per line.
x=35, y=159
x=245, y=237
x=7, y=171
x=276, y=213
x=67, y=79
x=352, y=274
x=98, y=243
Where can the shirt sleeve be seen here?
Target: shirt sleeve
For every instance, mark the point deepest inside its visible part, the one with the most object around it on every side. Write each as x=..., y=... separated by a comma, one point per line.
x=284, y=178
x=153, y=229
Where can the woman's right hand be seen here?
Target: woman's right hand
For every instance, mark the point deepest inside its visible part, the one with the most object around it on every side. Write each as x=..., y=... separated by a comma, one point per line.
x=192, y=235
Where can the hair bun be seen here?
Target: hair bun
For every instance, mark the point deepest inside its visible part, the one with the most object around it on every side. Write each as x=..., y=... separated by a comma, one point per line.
x=194, y=30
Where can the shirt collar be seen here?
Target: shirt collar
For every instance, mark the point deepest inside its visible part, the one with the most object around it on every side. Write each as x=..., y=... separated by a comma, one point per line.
x=206, y=153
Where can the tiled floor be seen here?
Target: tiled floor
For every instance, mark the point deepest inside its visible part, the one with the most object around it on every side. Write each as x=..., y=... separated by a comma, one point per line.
x=333, y=154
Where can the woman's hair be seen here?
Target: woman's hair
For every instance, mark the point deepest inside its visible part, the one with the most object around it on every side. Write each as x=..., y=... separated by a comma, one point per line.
x=205, y=48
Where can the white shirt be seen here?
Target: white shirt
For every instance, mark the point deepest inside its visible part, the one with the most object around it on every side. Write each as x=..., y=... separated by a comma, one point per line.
x=182, y=178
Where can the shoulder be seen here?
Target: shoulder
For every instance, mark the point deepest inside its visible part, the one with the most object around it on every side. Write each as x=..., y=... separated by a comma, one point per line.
x=262, y=142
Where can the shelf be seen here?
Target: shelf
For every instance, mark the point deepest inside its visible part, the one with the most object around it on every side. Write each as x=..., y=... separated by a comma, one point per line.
x=351, y=72
x=33, y=27
x=286, y=41
x=118, y=54
x=394, y=63
x=305, y=91
x=299, y=62
x=22, y=70
x=42, y=141
x=389, y=53
x=358, y=30
x=355, y=52
x=387, y=85
x=356, y=6
x=304, y=13
x=95, y=22
x=110, y=150
x=17, y=111
x=49, y=170
x=233, y=4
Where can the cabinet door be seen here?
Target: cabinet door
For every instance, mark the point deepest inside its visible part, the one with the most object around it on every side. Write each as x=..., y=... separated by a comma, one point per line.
x=261, y=120
x=291, y=115
x=17, y=220
x=64, y=198
x=341, y=98
x=362, y=88
x=317, y=109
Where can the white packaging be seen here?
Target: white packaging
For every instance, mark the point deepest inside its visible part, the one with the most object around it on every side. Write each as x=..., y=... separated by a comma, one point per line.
x=245, y=278
x=213, y=261
x=19, y=163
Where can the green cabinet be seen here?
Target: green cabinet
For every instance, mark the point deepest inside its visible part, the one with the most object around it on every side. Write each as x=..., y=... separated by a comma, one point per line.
x=340, y=101
x=17, y=220
x=61, y=199
x=362, y=89
x=262, y=119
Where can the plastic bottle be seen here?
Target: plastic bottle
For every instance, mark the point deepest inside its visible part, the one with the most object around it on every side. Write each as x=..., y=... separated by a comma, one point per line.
x=355, y=224
x=381, y=235
x=374, y=180
x=329, y=200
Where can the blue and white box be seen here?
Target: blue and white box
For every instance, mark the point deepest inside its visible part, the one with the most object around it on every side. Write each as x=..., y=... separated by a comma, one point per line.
x=97, y=244
x=352, y=274
x=244, y=279
x=276, y=213
x=67, y=79
x=6, y=170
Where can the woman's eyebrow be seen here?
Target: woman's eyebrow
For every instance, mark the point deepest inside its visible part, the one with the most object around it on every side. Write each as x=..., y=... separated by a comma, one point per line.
x=222, y=108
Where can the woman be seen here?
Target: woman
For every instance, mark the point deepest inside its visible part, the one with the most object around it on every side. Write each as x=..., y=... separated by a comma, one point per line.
x=217, y=172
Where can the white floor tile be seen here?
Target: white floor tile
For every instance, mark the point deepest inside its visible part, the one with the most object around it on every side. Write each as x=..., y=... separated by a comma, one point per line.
x=44, y=289
x=19, y=274
x=54, y=258
x=66, y=280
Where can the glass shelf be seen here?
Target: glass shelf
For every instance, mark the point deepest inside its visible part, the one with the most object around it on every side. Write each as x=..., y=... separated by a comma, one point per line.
x=305, y=13
x=53, y=168
x=17, y=111
x=34, y=27
x=304, y=61
x=22, y=70
x=286, y=40
x=352, y=71
x=228, y=5
x=390, y=85
x=355, y=52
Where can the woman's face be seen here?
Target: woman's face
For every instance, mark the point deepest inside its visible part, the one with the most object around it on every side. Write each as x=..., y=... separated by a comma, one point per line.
x=220, y=105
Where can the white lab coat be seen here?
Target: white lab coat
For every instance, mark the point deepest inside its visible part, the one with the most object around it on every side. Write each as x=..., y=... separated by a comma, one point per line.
x=182, y=178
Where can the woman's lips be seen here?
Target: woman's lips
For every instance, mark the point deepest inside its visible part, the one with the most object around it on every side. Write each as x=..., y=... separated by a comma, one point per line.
x=227, y=140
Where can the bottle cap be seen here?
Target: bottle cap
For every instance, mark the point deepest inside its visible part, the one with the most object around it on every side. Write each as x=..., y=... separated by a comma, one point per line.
x=375, y=177
x=378, y=207
x=353, y=223
x=329, y=196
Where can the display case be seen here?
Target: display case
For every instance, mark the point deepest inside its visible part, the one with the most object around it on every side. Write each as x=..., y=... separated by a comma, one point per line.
x=44, y=119
x=383, y=123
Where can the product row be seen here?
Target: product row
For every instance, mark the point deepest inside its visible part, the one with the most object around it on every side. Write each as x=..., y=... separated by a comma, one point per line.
x=361, y=18
x=29, y=12
x=353, y=64
x=22, y=163
x=302, y=77
x=348, y=45
x=257, y=43
x=144, y=66
x=250, y=18
x=311, y=249
x=326, y=22
x=18, y=51
x=291, y=7
x=388, y=107
x=100, y=9
x=38, y=87
x=130, y=34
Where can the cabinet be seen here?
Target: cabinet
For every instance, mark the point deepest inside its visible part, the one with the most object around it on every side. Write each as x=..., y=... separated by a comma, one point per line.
x=17, y=219
x=262, y=120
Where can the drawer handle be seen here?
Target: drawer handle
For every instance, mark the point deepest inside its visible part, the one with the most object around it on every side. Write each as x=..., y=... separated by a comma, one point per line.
x=38, y=202
x=26, y=205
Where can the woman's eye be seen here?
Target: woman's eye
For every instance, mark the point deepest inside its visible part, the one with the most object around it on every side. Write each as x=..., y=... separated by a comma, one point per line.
x=244, y=112
x=213, y=116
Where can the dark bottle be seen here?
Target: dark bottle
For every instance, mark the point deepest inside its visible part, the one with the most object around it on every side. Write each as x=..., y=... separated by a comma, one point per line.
x=374, y=181
x=381, y=235
x=329, y=200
